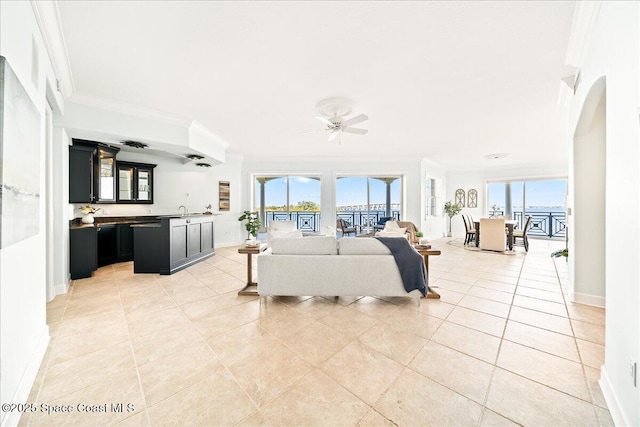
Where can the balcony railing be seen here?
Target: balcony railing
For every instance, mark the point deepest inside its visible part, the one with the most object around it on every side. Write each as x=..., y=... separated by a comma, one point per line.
x=309, y=221
x=543, y=223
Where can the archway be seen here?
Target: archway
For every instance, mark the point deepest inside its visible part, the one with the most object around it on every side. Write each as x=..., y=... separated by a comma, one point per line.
x=588, y=192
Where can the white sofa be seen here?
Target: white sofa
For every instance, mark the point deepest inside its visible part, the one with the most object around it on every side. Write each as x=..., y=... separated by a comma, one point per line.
x=325, y=266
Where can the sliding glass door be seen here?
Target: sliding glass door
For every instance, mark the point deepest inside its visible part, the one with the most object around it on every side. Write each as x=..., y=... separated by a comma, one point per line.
x=288, y=197
x=363, y=201
x=543, y=200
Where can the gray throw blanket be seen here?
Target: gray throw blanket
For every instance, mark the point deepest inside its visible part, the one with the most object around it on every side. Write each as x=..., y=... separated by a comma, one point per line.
x=409, y=262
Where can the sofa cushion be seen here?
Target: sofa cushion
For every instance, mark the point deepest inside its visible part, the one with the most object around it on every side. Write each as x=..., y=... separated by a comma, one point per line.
x=394, y=232
x=319, y=245
x=362, y=246
x=277, y=234
x=282, y=226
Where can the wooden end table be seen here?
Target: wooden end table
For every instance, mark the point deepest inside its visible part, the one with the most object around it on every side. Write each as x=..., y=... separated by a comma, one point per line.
x=425, y=254
x=251, y=288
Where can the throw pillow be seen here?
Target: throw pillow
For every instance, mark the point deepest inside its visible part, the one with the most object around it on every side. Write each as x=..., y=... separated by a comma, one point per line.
x=396, y=232
x=391, y=225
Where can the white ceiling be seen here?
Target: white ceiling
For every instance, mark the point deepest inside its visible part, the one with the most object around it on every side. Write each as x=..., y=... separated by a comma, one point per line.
x=449, y=81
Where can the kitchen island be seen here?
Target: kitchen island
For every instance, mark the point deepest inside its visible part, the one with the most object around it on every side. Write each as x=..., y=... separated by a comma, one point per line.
x=172, y=243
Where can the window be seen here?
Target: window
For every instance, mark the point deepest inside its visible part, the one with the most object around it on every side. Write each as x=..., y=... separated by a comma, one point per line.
x=430, y=197
x=543, y=200
x=363, y=201
x=285, y=197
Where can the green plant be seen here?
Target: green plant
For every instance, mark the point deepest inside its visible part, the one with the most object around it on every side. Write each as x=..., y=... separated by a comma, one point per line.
x=561, y=252
x=419, y=234
x=451, y=209
x=253, y=223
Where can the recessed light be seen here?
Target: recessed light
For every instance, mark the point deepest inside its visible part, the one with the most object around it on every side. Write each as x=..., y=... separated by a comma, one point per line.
x=135, y=144
x=195, y=157
x=203, y=165
x=496, y=156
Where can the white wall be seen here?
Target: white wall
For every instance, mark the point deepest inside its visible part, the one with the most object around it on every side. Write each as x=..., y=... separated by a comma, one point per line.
x=414, y=185
x=24, y=334
x=587, y=243
x=614, y=52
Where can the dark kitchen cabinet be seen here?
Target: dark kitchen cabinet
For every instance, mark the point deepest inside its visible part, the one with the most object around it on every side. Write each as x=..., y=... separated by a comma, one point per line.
x=191, y=239
x=92, y=172
x=135, y=182
x=106, y=244
x=173, y=244
x=105, y=172
x=81, y=159
x=124, y=242
x=83, y=255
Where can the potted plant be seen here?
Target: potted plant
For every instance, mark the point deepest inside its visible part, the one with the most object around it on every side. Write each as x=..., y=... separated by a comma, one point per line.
x=252, y=225
x=452, y=210
x=421, y=239
x=88, y=212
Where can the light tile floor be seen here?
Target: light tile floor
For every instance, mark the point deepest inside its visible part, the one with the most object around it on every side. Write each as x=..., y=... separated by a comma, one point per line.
x=502, y=347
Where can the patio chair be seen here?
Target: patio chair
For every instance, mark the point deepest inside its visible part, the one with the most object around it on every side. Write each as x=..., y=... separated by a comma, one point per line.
x=380, y=224
x=344, y=227
x=522, y=234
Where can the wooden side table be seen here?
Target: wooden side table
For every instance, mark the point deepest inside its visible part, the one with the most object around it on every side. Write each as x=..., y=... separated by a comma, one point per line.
x=425, y=254
x=251, y=288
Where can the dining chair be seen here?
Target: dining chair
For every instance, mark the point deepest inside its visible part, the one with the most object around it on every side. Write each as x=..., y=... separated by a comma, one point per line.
x=469, y=228
x=492, y=234
x=522, y=234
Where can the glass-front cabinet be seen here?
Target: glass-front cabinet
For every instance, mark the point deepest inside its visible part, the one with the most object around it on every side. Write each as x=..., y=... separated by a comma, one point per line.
x=106, y=165
x=135, y=182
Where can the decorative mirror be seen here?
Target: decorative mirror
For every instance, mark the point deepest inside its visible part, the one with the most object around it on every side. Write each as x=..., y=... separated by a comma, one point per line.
x=472, y=196
x=460, y=197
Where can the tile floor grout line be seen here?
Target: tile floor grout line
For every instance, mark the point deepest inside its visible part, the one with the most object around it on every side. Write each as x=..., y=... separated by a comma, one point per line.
x=575, y=341
x=495, y=363
x=135, y=361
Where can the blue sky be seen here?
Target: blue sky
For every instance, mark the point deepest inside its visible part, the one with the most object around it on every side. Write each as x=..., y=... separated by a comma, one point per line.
x=352, y=190
x=538, y=193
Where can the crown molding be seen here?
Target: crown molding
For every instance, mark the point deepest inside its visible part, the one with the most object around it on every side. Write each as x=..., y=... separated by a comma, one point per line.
x=585, y=16
x=48, y=19
x=128, y=109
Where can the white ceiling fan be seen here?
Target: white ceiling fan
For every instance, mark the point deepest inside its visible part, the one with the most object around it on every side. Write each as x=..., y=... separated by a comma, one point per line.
x=332, y=112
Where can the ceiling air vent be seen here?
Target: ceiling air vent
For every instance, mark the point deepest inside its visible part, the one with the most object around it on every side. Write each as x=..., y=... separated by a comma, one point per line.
x=135, y=144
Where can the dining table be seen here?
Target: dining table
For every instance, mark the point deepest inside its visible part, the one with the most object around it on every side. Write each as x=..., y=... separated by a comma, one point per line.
x=510, y=224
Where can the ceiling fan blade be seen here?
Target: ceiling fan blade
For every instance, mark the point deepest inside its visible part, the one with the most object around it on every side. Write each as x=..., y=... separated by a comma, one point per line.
x=333, y=134
x=356, y=131
x=355, y=120
x=325, y=120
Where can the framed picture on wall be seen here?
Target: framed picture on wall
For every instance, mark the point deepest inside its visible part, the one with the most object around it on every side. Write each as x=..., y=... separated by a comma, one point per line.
x=223, y=196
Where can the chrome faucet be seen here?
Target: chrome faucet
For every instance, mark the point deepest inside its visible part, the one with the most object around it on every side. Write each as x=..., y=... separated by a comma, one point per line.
x=186, y=211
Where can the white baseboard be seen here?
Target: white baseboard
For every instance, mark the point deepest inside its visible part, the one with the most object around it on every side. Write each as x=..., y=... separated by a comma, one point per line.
x=587, y=299
x=28, y=379
x=613, y=403
x=61, y=289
